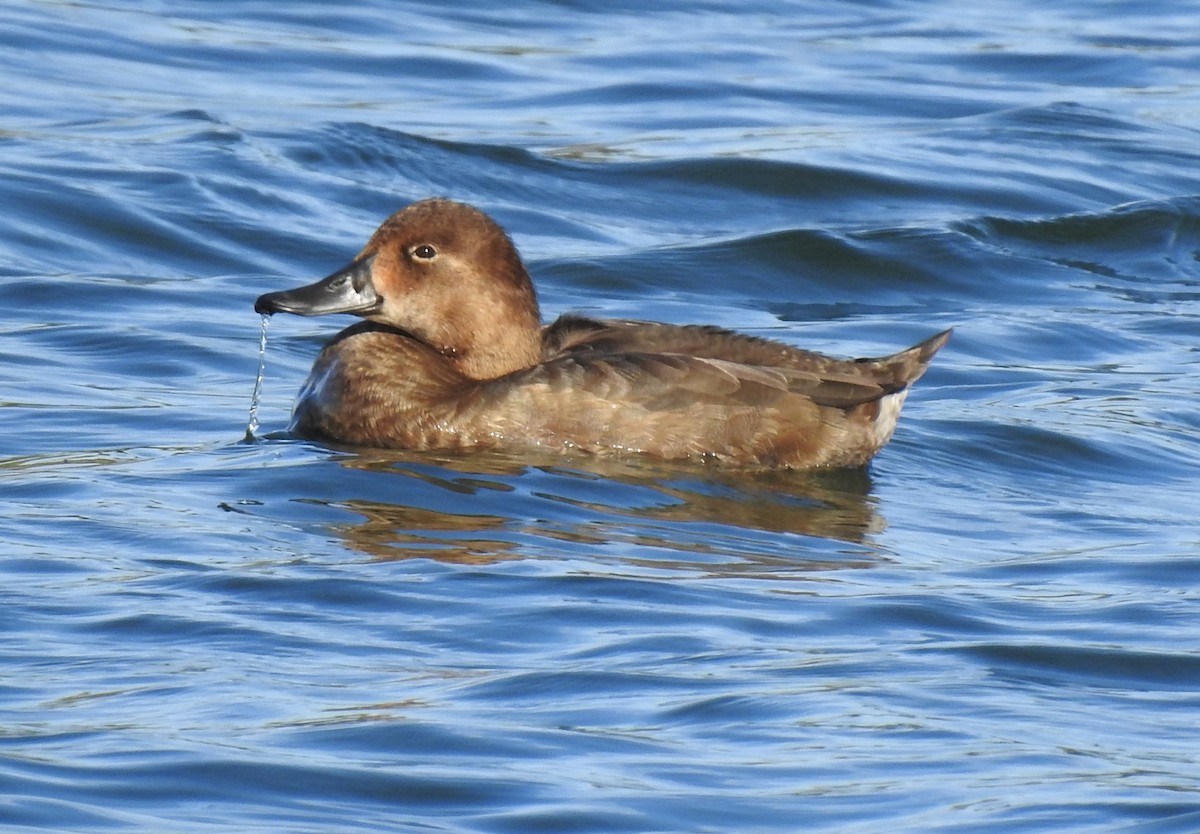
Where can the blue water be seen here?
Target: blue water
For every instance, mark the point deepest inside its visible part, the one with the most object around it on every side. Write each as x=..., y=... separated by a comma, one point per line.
x=994, y=629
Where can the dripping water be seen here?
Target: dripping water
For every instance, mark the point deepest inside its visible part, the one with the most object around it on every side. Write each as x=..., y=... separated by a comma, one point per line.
x=252, y=424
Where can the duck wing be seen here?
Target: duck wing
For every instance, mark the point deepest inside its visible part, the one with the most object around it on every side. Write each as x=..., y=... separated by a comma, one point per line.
x=665, y=365
x=571, y=334
x=665, y=381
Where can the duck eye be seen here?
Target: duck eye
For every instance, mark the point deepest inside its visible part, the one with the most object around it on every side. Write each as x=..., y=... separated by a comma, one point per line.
x=425, y=252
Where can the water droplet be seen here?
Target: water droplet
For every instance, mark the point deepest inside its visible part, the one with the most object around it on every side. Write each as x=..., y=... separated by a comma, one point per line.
x=252, y=424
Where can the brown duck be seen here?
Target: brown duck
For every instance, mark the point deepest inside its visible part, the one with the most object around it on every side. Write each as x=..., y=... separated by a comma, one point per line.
x=453, y=356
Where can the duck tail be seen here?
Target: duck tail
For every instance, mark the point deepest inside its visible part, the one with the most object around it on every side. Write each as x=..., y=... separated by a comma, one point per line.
x=907, y=366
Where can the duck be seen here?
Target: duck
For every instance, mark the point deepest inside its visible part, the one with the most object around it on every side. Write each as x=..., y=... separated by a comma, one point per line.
x=452, y=355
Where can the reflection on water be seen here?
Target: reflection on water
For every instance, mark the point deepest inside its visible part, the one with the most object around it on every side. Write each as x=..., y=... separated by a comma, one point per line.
x=394, y=531
x=721, y=522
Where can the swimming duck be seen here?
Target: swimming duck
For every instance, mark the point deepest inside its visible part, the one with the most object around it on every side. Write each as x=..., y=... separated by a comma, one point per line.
x=453, y=355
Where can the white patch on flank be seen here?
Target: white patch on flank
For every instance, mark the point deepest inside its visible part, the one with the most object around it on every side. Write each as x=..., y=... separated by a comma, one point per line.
x=889, y=413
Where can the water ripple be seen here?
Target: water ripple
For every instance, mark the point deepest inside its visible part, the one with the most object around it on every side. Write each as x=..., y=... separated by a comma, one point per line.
x=992, y=628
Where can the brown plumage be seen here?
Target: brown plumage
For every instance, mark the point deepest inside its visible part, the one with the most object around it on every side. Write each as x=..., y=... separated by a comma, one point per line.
x=453, y=356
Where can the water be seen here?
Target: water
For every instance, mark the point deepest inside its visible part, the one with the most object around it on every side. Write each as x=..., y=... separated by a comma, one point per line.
x=256, y=396
x=994, y=629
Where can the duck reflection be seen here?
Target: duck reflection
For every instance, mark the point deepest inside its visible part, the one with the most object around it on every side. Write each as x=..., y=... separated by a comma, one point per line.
x=487, y=509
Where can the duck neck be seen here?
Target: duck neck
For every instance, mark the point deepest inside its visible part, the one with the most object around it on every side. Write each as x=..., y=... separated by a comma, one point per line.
x=496, y=345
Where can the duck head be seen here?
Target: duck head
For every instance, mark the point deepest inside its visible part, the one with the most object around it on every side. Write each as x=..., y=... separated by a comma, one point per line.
x=444, y=273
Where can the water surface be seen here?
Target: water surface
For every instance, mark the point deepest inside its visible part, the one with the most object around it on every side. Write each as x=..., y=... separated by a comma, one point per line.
x=992, y=629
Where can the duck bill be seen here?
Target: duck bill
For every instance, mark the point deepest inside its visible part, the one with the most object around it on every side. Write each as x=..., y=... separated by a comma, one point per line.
x=348, y=290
